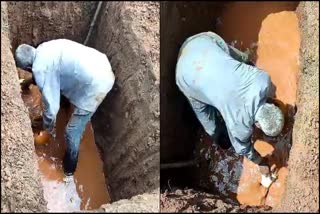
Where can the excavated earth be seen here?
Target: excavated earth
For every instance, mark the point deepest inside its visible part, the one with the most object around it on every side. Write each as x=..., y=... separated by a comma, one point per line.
x=126, y=125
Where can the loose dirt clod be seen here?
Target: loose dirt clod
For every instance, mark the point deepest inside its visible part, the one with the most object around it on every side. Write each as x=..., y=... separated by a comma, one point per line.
x=190, y=200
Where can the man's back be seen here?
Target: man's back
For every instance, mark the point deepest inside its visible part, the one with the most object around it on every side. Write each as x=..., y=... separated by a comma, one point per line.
x=81, y=73
x=208, y=69
x=207, y=73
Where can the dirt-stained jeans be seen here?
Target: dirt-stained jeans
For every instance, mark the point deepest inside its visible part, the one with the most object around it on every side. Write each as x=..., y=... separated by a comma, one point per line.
x=73, y=134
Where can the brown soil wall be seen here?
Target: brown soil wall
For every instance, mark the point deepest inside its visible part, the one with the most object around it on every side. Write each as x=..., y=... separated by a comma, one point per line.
x=39, y=21
x=128, y=32
x=20, y=179
x=302, y=191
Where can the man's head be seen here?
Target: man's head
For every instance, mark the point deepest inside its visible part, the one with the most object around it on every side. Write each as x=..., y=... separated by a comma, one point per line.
x=24, y=56
x=270, y=119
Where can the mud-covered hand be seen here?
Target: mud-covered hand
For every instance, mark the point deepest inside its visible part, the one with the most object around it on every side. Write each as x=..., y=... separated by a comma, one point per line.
x=25, y=83
x=49, y=124
x=264, y=166
x=37, y=122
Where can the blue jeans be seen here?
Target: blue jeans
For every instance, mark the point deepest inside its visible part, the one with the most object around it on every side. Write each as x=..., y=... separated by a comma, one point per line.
x=73, y=134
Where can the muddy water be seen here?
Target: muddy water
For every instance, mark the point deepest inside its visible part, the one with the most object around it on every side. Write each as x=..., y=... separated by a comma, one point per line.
x=270, y=31
x=88, y=190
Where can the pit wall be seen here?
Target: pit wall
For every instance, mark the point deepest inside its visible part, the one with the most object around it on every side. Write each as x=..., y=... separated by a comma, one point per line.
x=20, y=180
x=35, y=22
x=302, y=190
x=128, y=32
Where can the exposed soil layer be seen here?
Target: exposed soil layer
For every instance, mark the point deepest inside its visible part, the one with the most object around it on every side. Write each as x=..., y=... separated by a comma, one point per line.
x=35, y=22
x=302, y=190
x=129, y=134
x=20, y=180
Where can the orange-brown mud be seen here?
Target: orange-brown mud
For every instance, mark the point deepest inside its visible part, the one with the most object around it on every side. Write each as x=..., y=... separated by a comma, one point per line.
x=278, y=54
x=91, y=190
x=270, y=31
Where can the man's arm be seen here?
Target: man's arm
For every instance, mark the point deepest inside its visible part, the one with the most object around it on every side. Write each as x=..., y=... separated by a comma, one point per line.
x=51, y=101
x=245, y=148
x=27, y=82
x=205, y=115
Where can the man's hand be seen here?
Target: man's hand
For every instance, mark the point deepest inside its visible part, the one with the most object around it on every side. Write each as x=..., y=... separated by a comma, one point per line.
x=264, y=166
x=37, y=122
x=25, y=83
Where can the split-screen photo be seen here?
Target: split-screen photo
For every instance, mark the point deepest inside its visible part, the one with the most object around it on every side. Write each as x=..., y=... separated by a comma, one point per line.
x=159, y=106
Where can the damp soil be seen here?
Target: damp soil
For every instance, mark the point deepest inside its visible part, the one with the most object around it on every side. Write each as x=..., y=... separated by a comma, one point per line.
x=261, y=29
x=195, y=201
x=91, y=187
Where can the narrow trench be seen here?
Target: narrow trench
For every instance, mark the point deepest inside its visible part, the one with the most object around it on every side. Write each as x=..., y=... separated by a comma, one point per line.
x=89, y=189
x=121, y=133
x=89, y=177
x=269, y=30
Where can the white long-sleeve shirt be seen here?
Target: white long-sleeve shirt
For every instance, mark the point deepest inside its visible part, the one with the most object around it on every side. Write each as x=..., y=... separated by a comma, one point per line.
x=80, y=73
